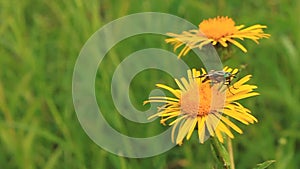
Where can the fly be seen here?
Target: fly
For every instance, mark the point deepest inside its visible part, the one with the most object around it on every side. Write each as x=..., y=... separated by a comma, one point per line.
x=219, y=76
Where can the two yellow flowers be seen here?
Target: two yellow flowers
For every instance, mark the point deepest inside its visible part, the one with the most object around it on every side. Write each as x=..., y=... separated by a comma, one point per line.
x=192, y=104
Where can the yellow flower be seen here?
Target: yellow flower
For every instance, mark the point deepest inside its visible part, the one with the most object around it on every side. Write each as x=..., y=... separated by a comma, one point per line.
x=216, y=30
x=203, y=105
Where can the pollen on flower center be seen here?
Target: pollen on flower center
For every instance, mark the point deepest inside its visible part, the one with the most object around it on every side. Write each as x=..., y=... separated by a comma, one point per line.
x=216, y=28
x=196, y=101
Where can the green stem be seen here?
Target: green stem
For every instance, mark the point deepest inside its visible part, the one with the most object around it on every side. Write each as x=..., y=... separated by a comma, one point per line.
x=220, y=152
x=225, y=53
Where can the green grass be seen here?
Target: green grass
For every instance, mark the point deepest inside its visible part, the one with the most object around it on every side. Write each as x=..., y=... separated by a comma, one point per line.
x=40, y=42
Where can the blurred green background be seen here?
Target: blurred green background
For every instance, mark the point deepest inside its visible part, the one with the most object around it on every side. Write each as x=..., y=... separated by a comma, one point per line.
x=39, y=44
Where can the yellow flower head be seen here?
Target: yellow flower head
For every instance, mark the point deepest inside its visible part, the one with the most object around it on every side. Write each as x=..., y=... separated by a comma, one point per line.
x=216, y=30
x=201, y=103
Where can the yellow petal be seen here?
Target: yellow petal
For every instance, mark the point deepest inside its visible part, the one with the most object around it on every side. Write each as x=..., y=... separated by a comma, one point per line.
x=236, y=116
x=235, y=71
x=219, y=135
x=232, y=125
x=201, y=128
x=243, y=80
x=185, y=83
x=174, y=92
x=164, y=98
x=222, y=41
x=181, y=87
x=191, y=128
x=239, y=97
x=177, y=120
x=237, y=44
x=223, y=128
x=184, y=129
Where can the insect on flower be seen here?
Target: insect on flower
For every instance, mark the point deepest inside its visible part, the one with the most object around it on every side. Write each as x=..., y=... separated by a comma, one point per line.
x=191, y=107
x=219, y=77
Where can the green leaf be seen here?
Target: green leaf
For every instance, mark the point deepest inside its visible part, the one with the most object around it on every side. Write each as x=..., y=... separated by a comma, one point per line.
x=264, y=164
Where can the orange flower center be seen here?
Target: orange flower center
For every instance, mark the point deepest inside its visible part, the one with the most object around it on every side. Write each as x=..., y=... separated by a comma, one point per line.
x=216, y=28
x=197, y=100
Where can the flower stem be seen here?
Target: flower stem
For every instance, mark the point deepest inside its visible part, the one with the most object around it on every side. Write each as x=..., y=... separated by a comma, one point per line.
x=230, y=151
x=220, y=153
